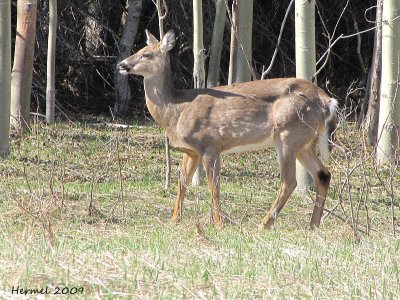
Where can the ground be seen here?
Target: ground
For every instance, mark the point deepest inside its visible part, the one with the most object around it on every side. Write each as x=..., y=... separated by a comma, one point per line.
x=83, y=211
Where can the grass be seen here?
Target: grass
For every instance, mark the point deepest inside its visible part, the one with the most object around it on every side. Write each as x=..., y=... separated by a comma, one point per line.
x=84, y=207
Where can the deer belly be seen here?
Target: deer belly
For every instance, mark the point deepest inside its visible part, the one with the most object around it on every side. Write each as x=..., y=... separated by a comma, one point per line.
x=267, y=143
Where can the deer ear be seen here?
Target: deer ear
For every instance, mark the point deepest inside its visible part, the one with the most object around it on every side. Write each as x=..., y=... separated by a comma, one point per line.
x=151, y=40
x=168, y=41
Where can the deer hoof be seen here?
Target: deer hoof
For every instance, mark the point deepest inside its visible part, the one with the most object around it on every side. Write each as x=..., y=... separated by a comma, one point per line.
x=264, y=226
x=175, y=220
x=261, y=227
x=314, y=226
x=219, y=225
x=218, y=220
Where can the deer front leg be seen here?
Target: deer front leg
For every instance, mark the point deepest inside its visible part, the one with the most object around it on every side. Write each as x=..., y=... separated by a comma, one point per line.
x=287, y=164
x=188, y=167
x=212, y=166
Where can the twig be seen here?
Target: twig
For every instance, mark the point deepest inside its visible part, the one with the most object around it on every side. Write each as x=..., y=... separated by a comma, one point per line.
x=91, y=208
x=168, y=162
x=330, y=45
x=161, y=17
x=121, y=177
x=363, y=68
x=62, y=185
x=344, y=220
x=266, y=72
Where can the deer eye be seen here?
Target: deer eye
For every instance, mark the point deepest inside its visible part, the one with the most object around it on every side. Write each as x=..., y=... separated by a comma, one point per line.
x=146, y=55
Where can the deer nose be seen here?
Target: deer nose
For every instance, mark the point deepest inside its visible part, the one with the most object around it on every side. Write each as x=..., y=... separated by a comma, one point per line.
x=123, y=66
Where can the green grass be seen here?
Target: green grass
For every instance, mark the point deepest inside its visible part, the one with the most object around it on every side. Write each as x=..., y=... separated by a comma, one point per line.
x=126, y=248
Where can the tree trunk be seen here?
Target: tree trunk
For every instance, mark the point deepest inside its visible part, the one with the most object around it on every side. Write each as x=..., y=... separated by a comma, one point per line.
x=5, y=75
x=51, y=62
x=21, y=76
x=216, y=44
x=122, y=88
x=370, y=108
x=389, y=111
x=198, y=47
x=198, y=68
x=234, y=43
x=92, y=29
x=245, y=28
x=305, y=65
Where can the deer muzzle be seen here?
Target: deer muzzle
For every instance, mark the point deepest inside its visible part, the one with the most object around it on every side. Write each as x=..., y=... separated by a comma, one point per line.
x=124, y=67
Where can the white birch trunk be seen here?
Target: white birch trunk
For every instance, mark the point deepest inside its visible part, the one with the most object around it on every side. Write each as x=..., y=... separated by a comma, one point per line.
x=51, y=62
x=234, y=43
x=198, y=68
x=5, y=75
x=305, y=65
x=245, y=28
x=369, y=114
x=21, y=76
x=389, y=112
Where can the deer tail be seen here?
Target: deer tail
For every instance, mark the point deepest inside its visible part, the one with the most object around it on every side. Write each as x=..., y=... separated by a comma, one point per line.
x=326, y=135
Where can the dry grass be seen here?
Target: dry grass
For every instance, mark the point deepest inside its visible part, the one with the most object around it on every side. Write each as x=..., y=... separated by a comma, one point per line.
x=85, y=206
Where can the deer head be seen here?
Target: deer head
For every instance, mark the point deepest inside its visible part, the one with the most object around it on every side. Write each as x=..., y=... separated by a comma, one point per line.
x=148, y=61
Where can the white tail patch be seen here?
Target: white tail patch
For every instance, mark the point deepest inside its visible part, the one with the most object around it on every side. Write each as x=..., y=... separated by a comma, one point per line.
x=324, y=134
x=324, y=144
x=333, y=106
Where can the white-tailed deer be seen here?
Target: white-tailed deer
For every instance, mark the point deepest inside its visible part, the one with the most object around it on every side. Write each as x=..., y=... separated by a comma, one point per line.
x=288, y=113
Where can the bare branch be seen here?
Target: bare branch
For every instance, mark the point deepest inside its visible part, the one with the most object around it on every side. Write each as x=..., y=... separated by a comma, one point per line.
x=161, y=15
x=265, y=73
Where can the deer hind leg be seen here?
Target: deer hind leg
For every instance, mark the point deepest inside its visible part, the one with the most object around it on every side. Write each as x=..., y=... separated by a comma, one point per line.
x=212, y=166
x=188, y=167
x=322, y=177
x=287, y=164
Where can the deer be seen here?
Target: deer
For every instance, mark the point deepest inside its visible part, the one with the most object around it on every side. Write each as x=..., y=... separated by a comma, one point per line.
x=293, y=115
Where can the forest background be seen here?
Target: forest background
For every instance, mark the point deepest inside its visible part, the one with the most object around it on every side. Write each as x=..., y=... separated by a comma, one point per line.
x=89, y=31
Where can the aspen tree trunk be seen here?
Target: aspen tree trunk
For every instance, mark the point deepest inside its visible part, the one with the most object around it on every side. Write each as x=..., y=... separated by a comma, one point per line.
x=245, y=28
x=51, y=62
x=92, y=30
x=305, y=65
x=198, y=68
x=234, y=43
x=216, y=44
x=122, y=89
x=21, y=76
x=5, y=75
x=370, y=105
x=198, y=48
x=389, y=112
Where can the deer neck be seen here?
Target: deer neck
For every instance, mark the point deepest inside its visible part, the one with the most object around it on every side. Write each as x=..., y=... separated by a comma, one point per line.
x=161, y=97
